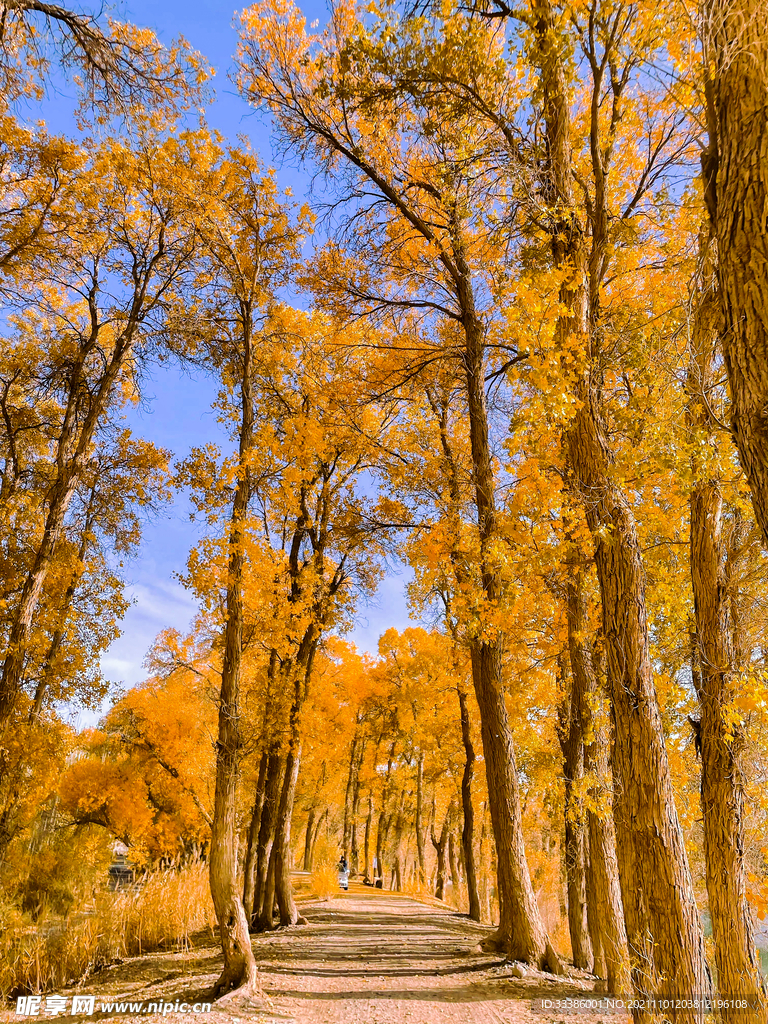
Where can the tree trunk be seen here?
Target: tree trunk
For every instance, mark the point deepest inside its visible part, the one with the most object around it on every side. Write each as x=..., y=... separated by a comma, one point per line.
x=440, y=846
x=419, y=824
x=307, y=865
x=569, y=735
x=735, y=171
x=354, y=846
x=663, y=927
x=249, y=872
x=722, y=778
x=521, y=931
x=289, y=915
x=348, y=795
x=453, y=865
x=367, y=842
x=468, y=828
x=261, y=917
x=604, y=905
x=281, y=853
x=239, y=963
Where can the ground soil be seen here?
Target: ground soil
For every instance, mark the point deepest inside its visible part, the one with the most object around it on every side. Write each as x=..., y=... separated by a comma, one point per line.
x=364, y=957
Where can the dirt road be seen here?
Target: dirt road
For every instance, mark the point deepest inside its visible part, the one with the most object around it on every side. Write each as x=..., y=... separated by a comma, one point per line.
x=368, y=957
x=364, y=957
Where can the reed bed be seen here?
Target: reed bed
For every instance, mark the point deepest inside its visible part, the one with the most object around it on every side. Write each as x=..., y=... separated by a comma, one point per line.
x=161, y=911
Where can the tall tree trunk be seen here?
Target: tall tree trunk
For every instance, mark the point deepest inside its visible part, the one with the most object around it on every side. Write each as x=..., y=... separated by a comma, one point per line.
x=663, y=927
x=452, y=864
x=307, y=864
x=569, y=735
x=397, y=842
x=521, y=931
x=735, y=171
x=367, y=842
x=604, y=904
x=468, y=827
x=249, y=872
x=289, y=915
x=348, y=795
x=440, y=844
x=722, y=778
x=281, y=851
x=354, y=846
x=261, y=917
x=239, y=963
x=323, y=818
x=418, y=823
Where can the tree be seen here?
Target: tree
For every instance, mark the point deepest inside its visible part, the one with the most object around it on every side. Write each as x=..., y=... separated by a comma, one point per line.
x=735, y=178
x=428, y=199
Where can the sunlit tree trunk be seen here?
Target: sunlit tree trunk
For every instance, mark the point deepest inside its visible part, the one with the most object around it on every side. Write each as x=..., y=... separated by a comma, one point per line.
x=261, y=917
x=418, y=822
x=440, y=844
x=605, y=911
x=468, y=827
x=722, y=777
x=664, y=932
x=239, y=963
x=569, y=735
x=521, y=931
x=367, y=874
x=249, y=871
x=735, y=172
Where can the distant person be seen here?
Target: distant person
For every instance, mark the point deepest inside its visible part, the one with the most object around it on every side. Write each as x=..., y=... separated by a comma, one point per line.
x=343, y=873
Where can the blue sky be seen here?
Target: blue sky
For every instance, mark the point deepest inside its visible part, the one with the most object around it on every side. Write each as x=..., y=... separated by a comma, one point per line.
x=176, y=412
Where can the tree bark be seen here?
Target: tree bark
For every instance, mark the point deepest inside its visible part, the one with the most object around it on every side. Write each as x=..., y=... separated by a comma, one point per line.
x=307, y=864
x=663, y=927
x=440, y=844
x=521, y=931
x=606, y=918
x=468, y=827
x=569, y=735
x=239, y=963
x=289, y=914
x=367, y=842
x=261, y=917
x=249, y=871
x=735, y=172
x=722, y=778
x=418, y=823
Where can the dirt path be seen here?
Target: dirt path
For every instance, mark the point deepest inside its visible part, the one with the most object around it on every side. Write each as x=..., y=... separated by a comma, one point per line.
x=377, y=958
x=364, y=957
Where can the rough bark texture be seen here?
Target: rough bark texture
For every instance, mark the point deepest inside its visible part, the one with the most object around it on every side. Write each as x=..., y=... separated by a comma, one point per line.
x=239, y=963
x=367, y=841
x=569, y=735
x=722, y=780
x=735, y=167
x=604, y=906
x=664, y=932
x=261, y=917
x=249, y=871
x=440, y=844
x=521, y=931
x=418, y=822
x=286, y=904
x=468, y=827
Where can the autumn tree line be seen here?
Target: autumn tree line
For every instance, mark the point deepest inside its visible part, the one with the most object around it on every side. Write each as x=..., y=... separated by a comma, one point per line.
x=516, y=338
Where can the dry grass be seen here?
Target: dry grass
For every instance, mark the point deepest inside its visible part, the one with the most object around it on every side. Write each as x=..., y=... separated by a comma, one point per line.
x=325, y=881
x=161, y=911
